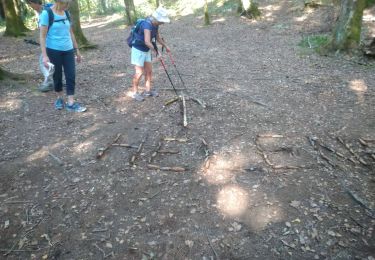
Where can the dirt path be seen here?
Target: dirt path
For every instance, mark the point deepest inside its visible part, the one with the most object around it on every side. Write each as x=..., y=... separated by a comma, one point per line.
x=279, y=165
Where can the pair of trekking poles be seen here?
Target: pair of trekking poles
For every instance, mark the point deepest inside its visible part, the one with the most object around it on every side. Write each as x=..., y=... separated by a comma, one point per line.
x=166, y=71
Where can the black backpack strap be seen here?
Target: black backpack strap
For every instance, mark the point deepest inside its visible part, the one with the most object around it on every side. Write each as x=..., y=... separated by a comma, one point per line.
x=67, y=15
x=50, y=16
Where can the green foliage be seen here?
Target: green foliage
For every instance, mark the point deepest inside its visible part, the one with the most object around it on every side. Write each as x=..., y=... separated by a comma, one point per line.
x=254, y=10
x=314, y=41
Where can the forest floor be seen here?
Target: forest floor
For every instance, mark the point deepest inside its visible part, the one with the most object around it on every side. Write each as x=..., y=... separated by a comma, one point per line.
x=279, y=164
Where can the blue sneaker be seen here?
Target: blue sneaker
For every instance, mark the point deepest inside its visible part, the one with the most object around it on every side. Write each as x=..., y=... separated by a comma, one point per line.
x=59, y=104
x=151, y=93
x=76, y=107
x=137, y=97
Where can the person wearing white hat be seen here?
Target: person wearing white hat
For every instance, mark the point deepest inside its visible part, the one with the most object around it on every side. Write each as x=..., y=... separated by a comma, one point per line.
x=142, y=48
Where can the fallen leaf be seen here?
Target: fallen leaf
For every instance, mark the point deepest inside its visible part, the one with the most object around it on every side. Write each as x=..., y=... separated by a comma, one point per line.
x=295, y=203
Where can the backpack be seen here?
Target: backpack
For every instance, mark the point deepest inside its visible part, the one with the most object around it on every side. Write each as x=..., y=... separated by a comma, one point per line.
x=51, y=18
x=132, y=38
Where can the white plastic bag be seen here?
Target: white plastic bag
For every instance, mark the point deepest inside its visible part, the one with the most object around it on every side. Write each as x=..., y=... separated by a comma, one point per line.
x=47, y=72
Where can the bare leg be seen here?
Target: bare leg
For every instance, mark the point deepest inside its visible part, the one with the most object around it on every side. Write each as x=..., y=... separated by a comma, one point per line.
x=137, y=77
x=148, y=75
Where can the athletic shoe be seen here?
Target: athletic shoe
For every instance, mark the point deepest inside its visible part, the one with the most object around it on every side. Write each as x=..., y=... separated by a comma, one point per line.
x=137, y=97
x=59, y=104
x=151, y=93
x=76, y=107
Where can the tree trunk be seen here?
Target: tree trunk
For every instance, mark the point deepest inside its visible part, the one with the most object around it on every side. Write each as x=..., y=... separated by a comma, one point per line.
x=2, y=14
x=88, y=3
x=17, y=7
x=14, y=24
x=131, y=15
x=78, y=33
x=2, y=74
x=239, y=7
x=103, y=5
x=347, y=32
x=206, y=14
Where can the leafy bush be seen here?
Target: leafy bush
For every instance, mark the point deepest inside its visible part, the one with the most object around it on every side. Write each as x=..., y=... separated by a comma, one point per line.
x=314, y=41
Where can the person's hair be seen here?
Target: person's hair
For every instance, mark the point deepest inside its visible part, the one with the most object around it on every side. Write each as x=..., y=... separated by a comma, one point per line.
x=38, y=2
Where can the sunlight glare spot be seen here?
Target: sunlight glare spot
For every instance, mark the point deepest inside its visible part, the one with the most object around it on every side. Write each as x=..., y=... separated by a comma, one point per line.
x=272, y=8
x=369, y=17
x=301, y=19
x=83, y=147
x=232, y=201
x=219, y=20
x=38, y=155
x=11, y=105
x=358, y=85
x=259, y=217
x=111, y=18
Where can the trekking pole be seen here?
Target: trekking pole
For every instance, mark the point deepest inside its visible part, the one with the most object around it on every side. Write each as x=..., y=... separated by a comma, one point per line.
x=169, y=77
x=174, y=64
x=165, y=69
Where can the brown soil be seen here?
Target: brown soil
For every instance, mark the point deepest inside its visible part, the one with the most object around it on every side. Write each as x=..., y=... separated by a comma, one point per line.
x=279, y=165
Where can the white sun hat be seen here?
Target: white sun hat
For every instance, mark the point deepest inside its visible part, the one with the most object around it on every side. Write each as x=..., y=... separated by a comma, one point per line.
x=161, y=15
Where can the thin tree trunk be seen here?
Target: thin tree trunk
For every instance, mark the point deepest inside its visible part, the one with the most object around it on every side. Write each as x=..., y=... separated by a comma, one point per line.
x=14, y=23
x=130, y=11
x=347, y=32
x=2, y=14
x=88, y=3
x=78, y=33
x=206, y=14
x=239, y=7
x=103, y=5
x=2, y=74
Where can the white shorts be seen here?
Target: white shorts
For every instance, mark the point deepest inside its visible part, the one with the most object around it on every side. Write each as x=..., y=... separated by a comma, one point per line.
x=139, y=58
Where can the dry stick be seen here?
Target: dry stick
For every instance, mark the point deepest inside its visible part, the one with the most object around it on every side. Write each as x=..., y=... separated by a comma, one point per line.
x=164, y=168
x=184, y=111
x=209, y=242
x=137, y=153
x=169, y=151
x=171, y=101
x=363, y=142
x=265, y=157
x=180, y=140
x=125, y=145
x=352, y=151
x=100, y=154
x=154, y=195
x=331, y=150
x=358, y=200
x=326, y=158
x=206, y=150
x=101, y=250
x=368, y=140
x=26, y=233
x=57, y=159
x=155, y=153
x=269, y=136
x=198, y=101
